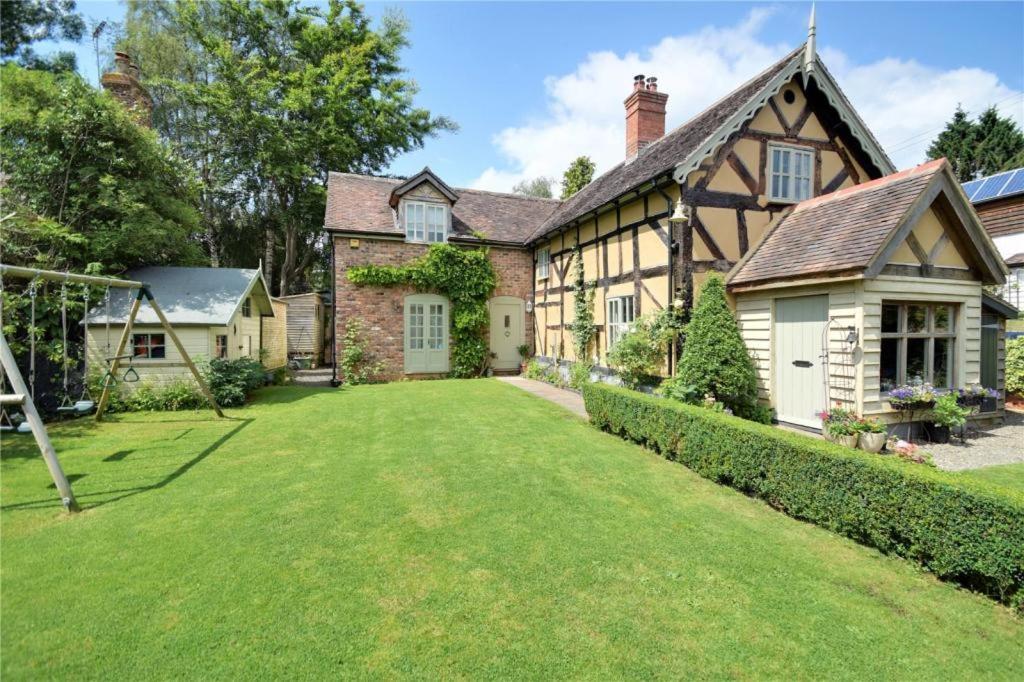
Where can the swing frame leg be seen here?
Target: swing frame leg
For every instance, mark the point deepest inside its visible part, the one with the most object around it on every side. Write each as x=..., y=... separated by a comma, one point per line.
x=115, y=363
x=38, y=428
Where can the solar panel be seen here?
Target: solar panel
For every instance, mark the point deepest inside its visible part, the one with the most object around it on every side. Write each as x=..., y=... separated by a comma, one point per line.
x=971, y=187
x=995, y=186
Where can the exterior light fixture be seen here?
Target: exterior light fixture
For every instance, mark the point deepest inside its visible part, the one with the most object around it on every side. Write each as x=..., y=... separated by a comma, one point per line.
x=851, y=336
x=681, y=214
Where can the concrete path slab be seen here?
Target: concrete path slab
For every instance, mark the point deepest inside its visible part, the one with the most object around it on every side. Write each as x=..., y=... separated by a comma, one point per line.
x=568, y=399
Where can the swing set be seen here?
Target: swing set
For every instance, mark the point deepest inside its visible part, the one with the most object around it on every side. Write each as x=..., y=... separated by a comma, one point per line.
x=22, y=396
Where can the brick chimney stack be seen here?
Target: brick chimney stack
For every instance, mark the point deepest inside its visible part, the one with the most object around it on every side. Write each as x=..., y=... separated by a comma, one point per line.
x=123, y=83
x=645, y=115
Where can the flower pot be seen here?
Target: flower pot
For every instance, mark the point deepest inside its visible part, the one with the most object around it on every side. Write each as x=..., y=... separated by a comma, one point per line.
x=936, y=433
x=970, y=400
x=849, y=441
x=872, y=442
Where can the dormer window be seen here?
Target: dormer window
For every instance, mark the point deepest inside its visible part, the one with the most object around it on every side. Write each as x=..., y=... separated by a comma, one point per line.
x=426, y=222
x=790, y=173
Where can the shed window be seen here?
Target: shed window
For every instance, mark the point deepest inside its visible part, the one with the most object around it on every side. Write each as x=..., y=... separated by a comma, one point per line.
x=149, y=346
x=543, y=263
x=220, y=346
x=426, y=222
x=918, y=345
x=247, y=307
x=620, y=317
x=790, y=173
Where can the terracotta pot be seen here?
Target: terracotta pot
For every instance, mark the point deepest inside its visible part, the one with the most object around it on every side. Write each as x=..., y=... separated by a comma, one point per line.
x=849, y=441
x=872, y=442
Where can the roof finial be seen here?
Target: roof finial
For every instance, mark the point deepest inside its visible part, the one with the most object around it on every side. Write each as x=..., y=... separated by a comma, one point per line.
x=810, y=49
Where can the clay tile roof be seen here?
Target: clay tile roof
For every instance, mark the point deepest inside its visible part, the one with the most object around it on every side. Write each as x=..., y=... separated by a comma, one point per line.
x=359, y=203
x=661, y=156
x=1016, y=260
x=837, y=232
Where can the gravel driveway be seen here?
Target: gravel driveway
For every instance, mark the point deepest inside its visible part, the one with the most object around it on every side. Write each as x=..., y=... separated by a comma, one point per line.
x=993, y=445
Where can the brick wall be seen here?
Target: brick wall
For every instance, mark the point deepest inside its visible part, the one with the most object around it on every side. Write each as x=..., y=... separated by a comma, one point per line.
x=381, y=308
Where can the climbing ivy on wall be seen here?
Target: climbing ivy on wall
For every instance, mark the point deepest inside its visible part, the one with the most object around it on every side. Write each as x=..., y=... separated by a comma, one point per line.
x=466, y=277
x=582, y=327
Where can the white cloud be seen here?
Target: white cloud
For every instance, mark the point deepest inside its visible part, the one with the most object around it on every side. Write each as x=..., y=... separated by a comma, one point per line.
x=899, y=99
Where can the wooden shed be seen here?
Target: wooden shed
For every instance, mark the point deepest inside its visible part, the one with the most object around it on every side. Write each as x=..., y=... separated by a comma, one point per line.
x=274, y=335
x=305, y=326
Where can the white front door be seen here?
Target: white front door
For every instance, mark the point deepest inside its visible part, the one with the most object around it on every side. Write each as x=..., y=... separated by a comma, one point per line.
x=426, y=334
x=507, y=314
x=799, y=385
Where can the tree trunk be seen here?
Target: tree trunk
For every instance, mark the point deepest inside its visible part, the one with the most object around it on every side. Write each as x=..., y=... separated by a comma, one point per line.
x=288, y=266
x=268, y=257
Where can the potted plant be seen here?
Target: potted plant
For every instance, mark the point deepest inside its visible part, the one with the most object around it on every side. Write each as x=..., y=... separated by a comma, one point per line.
x=946, y=415
x=838, y=426
x=524, y=357
x=912, y=397
x=974, y=395
x=871, y=435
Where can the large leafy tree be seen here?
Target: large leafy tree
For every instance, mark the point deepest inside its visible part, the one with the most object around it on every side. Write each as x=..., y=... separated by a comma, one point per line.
x=577, y=176
x=84, y=189
x=991, y=144
x=537, y=187
x=23, y=22
x=271, y=96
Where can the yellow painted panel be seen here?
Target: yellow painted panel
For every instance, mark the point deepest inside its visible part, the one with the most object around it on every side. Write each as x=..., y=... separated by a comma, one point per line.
x=692, y=179
x=904, y=254
x=653, y=251
x=721, y=224
x=757, y=222
x=749, y=152
x=831, y=164
x=767, y=122
x=658, y=286
x=791, y=111
x=950, y=257
x=587, y=231
x=632, y=212
x=726, y=180
x=606, y=223
x=928, y=230
x=812, y=129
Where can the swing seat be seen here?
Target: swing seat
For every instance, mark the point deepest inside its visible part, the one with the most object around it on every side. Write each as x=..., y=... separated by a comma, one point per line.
x=24, y=427
x=85, y=406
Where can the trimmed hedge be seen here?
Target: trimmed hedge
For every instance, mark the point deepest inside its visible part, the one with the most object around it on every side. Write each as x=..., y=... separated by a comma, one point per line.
x=965, y=531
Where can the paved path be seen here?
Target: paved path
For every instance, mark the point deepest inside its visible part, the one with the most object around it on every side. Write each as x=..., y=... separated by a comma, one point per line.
x=1003, y=444
x=567, y=399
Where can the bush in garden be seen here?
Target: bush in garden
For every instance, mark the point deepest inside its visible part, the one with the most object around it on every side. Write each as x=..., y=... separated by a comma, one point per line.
x=960, y=529
x=231, y=381
x=715, y=361
x=1015, y=366
x=638, y=354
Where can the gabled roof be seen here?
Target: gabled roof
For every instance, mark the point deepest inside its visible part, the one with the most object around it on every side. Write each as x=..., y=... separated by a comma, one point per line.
x=359, y=204
x=853, y=231
x=682, y=150
x=188, y=296
x=1016, y=260
x=425, y=175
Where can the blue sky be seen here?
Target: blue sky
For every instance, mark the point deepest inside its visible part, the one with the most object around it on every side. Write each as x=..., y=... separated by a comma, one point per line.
x=532, y=85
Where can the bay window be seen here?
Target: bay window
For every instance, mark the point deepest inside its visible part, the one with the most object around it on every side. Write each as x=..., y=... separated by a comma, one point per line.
x=918, y=345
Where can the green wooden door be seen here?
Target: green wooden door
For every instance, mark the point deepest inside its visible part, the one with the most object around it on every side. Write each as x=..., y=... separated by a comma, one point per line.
x=799, y=382
x=426, y=334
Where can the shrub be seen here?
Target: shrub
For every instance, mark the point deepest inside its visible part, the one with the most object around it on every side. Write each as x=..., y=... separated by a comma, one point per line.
x=948, y=412
x=715, y=360
x=962, y=530
x=358, y=366
x=637, y=354
x=231, y=381
x=1015, y=366
x=579, y=374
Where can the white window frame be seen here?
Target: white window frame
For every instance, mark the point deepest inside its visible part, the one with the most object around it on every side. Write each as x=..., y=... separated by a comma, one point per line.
x=790, y=177
x=619, y=308
x=148, y=340
x=929, y=335
x=543, y=263
x=424, y=230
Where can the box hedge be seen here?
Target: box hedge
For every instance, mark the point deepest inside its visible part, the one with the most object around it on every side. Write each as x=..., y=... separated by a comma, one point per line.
x=966, y=531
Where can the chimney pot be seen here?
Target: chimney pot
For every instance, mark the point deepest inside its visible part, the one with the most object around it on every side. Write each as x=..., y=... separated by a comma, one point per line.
x=123, y=83
x=121, y=62
x=645, y=115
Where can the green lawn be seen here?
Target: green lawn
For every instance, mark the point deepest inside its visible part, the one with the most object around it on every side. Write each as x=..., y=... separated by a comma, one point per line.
x=442, y=529
x=1007, y=475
